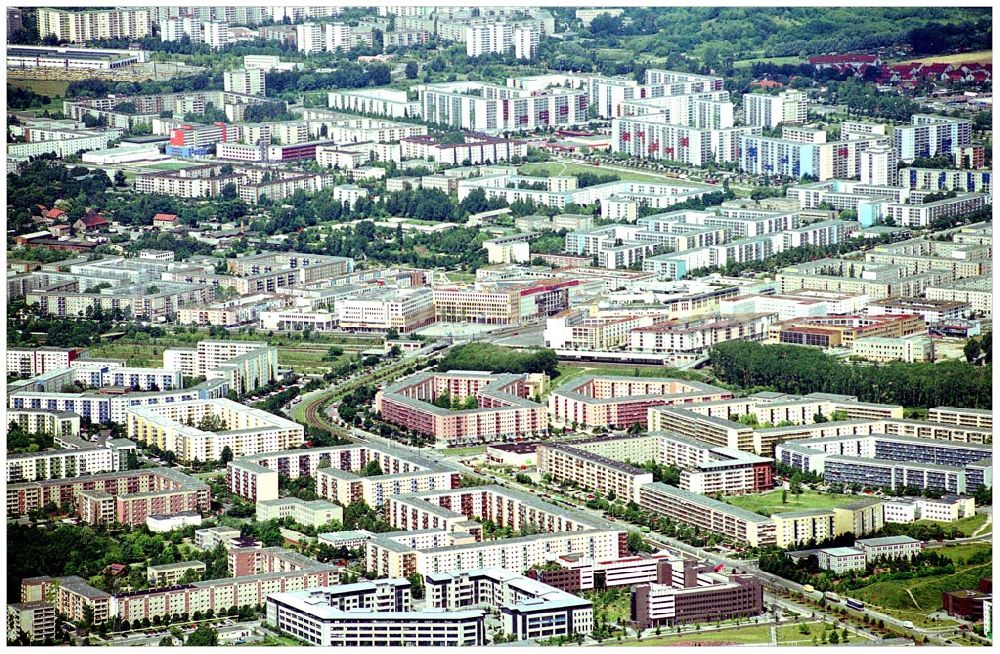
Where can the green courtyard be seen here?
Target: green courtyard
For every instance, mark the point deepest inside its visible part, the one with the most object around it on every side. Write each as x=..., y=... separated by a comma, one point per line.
x=772, y=503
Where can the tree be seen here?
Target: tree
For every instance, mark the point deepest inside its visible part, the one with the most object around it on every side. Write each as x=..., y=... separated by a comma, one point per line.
x=411, y=70
x=166, y=641
x=226, y=456
x=972, y=350
x=372, y=469
x=203, y=636
x=416, y=585
x=120, y=178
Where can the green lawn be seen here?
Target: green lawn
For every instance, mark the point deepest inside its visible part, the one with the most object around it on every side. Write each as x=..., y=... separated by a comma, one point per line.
x=464, y=451
x=777, y=61
x=613, y=604
x=968, y=525
x=560, y=168
x=750, y=635
x=922, y=596
x=304, y=359
x=170, y=165
x=771, y=502
x=960, y=553
x=52, y=88
x=139, y=355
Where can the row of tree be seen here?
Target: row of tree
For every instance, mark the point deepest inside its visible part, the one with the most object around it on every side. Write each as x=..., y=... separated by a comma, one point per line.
x=486, y=356
x=801, y=370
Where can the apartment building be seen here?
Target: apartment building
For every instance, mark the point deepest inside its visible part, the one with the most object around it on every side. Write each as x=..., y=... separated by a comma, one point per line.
x=929, y=136
x=457, y=542
x=377, y=102
x=475, y=150
x=245, y=365
x=82, y=26
x=654, y=136
x=876, y=280
x=891, y=461
x=592, y=471
x=923, y=215
x=61, y=424
x=761, y=155
x=943, y=179
x=31, y=362
x=249, y=81
x=708, y=514
x=878, y=166
x=170, y=574
x=126, y=496
x=37, y=620
x=335, y=469
x=273, y=570
x=772, y=110
x=215, y=34
x=492, y=108
x=68, y=596
x=103, y=407
x=623, y=401
x=175, y=28
x=981, y=418
x=78, y=459
x=502, y=408
x=62, y=143
x=976, y=291
x=604, y=464
x=200, y=430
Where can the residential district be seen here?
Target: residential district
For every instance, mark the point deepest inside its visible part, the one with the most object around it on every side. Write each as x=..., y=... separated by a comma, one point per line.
x=416, y=326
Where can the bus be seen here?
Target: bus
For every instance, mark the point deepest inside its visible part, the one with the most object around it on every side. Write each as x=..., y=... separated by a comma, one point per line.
x=857, y=605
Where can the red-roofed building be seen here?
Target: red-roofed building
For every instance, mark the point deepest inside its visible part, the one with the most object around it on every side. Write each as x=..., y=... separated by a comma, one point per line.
x=845, y=62
x=54, y=214
x=92, y=222
x=165, y=221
